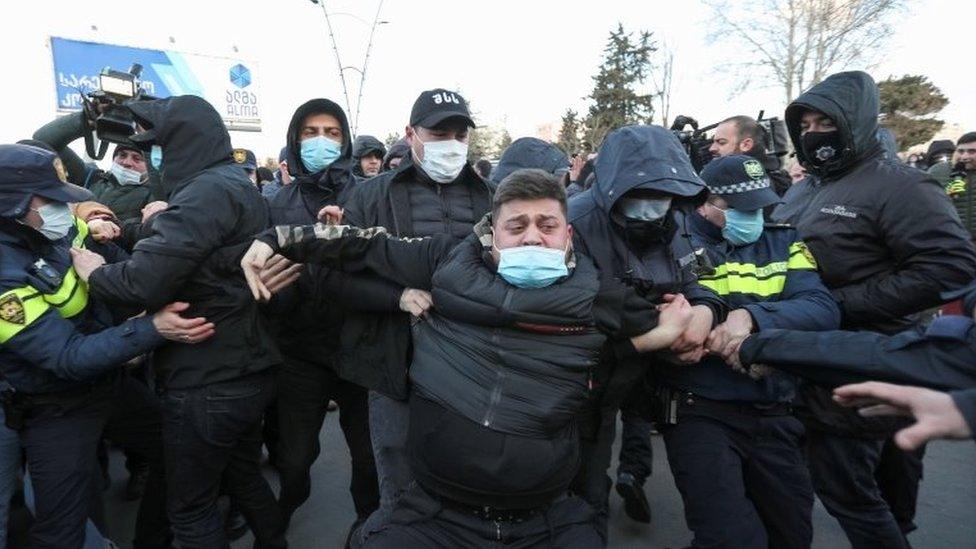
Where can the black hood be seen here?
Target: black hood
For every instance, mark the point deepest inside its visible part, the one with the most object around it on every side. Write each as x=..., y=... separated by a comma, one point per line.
x=529, y=152
x=366, y=144
x=850, y=99
x=293, y=141
x=644, y=157
x=190, y=132
x=400, y=149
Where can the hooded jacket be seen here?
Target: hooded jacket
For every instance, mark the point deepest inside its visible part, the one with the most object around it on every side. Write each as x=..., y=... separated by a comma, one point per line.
x=886, y=237
x=363, y=145
x=307, y=319
x=195, y=246
x=639, y=157
x=529, y=152
x=399, y=149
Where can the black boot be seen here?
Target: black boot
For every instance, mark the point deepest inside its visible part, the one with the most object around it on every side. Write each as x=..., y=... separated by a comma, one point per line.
x=635, y=502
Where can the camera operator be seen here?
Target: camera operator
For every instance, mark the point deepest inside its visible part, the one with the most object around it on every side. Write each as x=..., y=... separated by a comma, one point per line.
x=124, y=188
x=743, y=135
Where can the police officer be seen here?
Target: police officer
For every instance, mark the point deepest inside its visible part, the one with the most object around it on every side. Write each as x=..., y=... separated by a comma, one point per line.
x=60, y=351
x=629, y=223
x=734, y=446
x=245, y=158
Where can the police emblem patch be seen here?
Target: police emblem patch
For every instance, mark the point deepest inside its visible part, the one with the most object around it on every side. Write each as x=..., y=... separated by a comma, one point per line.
x=59, y=169
x=12, y=309
x=240, y=155
x=807, y=253
x=753, y=169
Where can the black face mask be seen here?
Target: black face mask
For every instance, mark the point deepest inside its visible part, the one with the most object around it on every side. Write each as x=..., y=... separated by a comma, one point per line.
x=644, y=234
x=821, y=147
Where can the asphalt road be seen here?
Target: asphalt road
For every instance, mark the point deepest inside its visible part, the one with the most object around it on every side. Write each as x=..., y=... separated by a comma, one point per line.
x=946, y=508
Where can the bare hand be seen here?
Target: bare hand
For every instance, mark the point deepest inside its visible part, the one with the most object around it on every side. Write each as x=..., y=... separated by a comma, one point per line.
x=935, y=413
x=85, y=262
x=174, y=327
x=153, y=208
x=416, y=302
x=575, y=167
x=253, y=262
x=672, y=321
x=725, y=339
x=690, y=347
x=330, y=215
x=279, y=272
x=103, y=230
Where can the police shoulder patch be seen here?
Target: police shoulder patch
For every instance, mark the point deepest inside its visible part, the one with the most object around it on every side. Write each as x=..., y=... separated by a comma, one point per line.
x=59, y=169
x=12, y=309
x=807, y=253
x=240, y=155
x=753, y=169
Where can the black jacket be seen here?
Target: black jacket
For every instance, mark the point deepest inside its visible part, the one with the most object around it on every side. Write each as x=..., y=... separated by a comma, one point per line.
x=308, y=315
x=194, y=249
x=638, y=157
x=499, y=372
x=375, y=347
x=885, y=235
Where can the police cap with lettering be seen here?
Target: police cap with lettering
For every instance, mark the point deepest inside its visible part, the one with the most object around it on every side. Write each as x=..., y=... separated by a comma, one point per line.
x=741, y=181
x=438, y=105
x=27, y=171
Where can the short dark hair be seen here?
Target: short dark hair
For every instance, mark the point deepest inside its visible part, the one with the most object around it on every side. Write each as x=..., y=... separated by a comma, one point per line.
x=528, y=184
x=967, y=138
x=746, y=126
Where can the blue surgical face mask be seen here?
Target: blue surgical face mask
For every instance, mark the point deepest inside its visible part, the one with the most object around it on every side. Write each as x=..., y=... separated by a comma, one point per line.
x=57, y=220
x=532, y=266
x=318, y=153
x=156, y=157
x=742, y=227
x=125, y=176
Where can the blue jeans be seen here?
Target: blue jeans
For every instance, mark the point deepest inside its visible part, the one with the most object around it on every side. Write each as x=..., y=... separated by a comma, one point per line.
x=212, y=434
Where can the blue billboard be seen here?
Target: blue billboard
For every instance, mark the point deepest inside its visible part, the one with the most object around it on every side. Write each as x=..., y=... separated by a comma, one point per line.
x=230, y=85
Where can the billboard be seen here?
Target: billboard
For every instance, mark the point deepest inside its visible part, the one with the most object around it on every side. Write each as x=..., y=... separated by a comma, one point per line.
x=230, y=85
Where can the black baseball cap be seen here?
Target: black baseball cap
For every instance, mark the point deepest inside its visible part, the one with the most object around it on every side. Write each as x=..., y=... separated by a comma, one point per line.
x=27, y=171
x=741, y=181
x=436, y=106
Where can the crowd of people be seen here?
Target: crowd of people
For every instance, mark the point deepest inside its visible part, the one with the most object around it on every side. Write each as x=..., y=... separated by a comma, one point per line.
x=482, y=328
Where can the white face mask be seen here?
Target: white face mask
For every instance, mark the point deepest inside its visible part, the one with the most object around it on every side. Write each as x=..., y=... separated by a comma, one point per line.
x=125, y=176
x=57, y=220
x=444, y=160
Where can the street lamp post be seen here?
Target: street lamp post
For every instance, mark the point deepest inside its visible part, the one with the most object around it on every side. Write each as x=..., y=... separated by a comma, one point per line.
x=342, y=69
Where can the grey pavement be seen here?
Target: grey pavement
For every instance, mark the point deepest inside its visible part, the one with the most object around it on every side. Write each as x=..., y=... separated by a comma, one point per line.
x=946, y=508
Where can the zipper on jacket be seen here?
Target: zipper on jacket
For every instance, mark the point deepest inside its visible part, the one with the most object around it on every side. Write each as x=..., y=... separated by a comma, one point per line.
x=496, y=391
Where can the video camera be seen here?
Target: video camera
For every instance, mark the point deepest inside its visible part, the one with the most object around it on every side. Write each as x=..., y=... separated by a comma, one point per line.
x=106, y=107
x=696, y=143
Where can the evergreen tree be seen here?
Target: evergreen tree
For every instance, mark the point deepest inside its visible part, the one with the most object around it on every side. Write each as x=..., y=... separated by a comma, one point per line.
x=616, y=95
x=504, y=140
x=907, y=108
x=569, y=133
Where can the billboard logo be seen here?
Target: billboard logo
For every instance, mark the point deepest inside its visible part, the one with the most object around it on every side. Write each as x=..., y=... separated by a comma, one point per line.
x=240, y=76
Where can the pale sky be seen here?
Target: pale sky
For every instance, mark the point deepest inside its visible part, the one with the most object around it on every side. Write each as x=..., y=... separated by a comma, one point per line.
x=520, y=63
